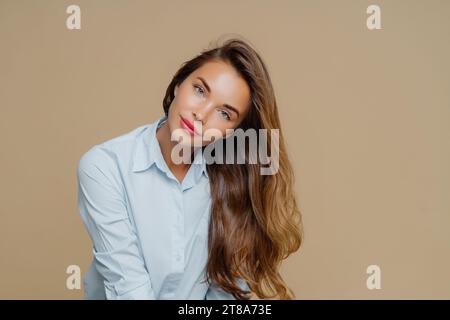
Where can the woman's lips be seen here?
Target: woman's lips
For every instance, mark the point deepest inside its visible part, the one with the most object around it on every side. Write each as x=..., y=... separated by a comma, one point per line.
x=187, y=125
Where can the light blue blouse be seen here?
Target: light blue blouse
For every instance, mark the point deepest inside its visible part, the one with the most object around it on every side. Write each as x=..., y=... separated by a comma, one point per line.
x=149, y=231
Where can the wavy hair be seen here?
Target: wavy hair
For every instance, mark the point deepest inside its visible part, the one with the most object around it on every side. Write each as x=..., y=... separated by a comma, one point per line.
x=255, y=221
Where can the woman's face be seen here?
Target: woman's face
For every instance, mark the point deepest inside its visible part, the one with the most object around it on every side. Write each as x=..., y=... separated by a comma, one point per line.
x=214, y=96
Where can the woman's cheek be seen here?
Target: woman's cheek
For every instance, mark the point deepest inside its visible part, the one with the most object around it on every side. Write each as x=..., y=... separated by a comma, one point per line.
x=192, y=101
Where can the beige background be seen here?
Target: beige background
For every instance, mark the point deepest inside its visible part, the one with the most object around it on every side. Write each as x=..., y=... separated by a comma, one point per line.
x=366, y=116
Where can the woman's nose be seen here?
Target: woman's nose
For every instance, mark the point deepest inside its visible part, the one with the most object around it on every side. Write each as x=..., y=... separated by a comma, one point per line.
x=202, y=112
x=198, y=116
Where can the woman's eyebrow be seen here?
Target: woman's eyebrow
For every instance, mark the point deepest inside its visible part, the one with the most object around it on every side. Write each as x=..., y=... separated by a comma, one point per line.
x=209, y=90
x=231, y=108
x=204, y=83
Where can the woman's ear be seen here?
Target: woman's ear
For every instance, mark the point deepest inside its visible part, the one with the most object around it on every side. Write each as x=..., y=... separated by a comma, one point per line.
x=175, y=90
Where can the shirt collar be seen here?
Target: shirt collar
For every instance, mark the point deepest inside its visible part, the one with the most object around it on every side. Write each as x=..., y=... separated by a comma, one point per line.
x=148, y=152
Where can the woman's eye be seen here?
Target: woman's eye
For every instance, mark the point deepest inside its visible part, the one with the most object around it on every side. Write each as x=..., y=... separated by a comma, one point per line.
x=199, y=89
x=225, y=114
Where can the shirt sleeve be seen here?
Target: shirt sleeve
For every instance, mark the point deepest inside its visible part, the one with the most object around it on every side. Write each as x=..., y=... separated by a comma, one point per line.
x=102, y=206
x=215, y=292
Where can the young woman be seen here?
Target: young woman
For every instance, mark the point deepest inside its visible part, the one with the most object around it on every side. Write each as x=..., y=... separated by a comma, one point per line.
x=162, y=229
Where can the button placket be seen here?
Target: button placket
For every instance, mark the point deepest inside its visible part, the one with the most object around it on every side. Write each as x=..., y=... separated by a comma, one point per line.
x=179, y=235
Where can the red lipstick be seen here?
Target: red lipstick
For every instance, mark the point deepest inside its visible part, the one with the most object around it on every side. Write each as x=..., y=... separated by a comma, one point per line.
x=186, y=124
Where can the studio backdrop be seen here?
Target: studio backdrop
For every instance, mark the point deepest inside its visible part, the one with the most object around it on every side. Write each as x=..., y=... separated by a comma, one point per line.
x=363, y=93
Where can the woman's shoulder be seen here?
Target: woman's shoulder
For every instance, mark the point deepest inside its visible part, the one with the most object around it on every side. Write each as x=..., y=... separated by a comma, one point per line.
x=112, y=152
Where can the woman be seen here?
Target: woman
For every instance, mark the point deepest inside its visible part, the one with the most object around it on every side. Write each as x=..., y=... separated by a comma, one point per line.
x=165, y=229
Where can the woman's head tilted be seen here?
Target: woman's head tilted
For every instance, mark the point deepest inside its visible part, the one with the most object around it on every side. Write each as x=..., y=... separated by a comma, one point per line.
x=255, y=222
x=221, y=88
x=214, y=96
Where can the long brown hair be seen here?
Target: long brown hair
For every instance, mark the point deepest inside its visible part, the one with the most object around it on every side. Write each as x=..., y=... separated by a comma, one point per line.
x=255, y=221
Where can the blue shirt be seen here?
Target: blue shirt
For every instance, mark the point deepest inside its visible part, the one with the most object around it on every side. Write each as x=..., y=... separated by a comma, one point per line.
x=149, y=231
